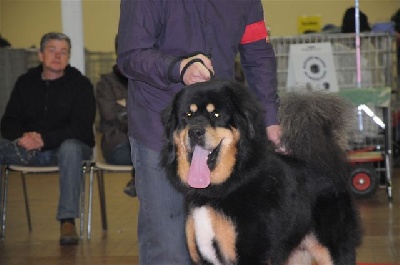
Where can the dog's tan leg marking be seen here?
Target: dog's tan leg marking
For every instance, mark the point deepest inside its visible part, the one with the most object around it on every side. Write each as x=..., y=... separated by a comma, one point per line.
x=225, y=235
x=313, y=249
x=227, y=154
x=191, y=239
x=299, y=257
x=181, y=153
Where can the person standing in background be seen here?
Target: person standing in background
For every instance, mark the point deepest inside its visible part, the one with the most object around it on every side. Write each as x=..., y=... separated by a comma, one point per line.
x=163, y=47
x=349, y=21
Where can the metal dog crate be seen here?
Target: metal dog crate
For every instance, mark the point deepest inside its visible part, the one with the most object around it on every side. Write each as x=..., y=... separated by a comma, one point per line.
x=98, y=63
x=378, y=52
x=378, y=71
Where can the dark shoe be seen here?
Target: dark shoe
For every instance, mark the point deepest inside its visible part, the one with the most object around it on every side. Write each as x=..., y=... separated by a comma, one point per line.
x=130, y=188
x=68, y=234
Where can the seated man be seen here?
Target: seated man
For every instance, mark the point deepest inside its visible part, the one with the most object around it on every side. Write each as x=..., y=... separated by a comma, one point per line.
x=111, y=93
x=48, y=121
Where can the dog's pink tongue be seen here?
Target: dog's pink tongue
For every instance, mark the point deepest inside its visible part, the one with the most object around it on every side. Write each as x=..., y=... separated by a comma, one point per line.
x=199, y=174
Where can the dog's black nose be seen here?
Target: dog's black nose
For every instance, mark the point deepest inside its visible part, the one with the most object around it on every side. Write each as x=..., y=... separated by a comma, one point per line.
x=196, y=133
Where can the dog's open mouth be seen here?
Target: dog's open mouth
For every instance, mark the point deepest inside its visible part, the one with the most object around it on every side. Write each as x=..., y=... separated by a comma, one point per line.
x=202, y=162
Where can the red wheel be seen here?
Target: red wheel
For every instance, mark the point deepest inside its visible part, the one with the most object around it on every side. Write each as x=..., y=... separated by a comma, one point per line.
x=363, y=180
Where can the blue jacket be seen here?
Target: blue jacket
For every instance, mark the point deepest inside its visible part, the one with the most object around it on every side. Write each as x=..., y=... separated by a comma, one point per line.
x=154, y=33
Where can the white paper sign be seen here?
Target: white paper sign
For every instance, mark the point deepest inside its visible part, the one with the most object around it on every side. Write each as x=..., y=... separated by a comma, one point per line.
x=311, y=67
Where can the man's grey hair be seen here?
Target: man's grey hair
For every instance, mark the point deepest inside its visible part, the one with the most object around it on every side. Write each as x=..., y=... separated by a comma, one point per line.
x=54, y=36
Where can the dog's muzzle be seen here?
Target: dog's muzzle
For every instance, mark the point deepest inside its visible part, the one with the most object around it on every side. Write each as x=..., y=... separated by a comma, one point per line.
x=197, y=136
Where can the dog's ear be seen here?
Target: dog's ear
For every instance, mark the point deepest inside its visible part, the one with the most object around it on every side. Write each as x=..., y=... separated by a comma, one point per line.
x=169, y=119
x=248, y=111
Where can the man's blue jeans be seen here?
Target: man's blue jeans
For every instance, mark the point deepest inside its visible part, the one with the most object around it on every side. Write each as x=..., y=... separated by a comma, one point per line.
x=69, y=157
x=161, y=230
x=121, y=155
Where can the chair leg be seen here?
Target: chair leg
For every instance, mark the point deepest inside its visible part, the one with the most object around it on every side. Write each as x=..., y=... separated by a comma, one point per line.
x=102, y=195
x=28, y=212
x=90, y=202
x=4, y=204
x=82, y=201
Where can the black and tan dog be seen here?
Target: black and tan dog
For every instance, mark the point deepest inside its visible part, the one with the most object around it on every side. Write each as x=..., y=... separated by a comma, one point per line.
x=247, y=204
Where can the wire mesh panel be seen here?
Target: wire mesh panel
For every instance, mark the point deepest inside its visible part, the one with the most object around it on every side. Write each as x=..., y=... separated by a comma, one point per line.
x=378, y=72
x=378, y=68
x=98, y=63
x=32, y=58
x=369, y=129
x=378, y=58
x=12, y=65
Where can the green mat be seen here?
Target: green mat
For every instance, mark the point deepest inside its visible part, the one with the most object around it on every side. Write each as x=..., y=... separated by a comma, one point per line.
x=379, y=97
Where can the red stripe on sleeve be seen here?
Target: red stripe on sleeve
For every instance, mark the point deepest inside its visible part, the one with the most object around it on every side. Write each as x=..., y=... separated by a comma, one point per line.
x=254, y=32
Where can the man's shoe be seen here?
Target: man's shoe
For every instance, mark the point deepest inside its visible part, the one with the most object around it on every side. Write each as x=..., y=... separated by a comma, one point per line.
x=68, y=234
x=130, y=188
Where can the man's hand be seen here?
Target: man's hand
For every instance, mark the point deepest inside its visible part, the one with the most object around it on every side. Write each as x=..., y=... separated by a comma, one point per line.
x=122, y=102
x=31, y=141
x=274, y=135
x=197, y=72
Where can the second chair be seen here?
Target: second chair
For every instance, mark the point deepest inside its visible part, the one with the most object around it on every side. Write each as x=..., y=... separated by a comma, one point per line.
x=100, y=168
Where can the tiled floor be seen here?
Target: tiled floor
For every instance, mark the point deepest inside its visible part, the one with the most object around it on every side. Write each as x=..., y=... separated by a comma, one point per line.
x=381, y=219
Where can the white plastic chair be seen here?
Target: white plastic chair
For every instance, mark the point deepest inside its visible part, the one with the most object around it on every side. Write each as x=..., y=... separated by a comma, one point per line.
x=25, y=170
x=101, y=167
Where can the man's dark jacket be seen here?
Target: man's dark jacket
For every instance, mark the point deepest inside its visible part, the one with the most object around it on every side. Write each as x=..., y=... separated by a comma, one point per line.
x=58, y=109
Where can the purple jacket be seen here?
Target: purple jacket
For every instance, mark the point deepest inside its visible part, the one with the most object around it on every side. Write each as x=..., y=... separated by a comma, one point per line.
x=152, y=34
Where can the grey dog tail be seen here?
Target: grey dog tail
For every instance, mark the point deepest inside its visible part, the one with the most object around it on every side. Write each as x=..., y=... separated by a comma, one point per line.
x=315, y=123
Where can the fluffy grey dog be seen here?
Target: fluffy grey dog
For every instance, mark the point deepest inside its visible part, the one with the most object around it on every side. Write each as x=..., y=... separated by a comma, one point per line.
x=312, y=118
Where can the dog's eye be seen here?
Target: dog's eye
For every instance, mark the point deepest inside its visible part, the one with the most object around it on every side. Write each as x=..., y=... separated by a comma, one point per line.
x=216, y=114
x=189, y=114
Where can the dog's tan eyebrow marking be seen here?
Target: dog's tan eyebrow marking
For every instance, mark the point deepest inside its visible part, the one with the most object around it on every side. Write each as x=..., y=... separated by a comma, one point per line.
x=210, y=107
x=193, y=107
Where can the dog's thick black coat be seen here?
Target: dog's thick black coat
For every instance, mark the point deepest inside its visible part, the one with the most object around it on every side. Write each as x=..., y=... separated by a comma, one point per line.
x=260, y=207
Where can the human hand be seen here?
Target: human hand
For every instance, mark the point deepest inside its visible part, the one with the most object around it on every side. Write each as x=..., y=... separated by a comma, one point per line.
x=31, y=141
x=195, y=72
x=274, y=135
x=122, y=102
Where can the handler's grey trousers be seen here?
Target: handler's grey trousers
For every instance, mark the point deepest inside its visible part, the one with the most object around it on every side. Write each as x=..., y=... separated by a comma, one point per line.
x=161, y=230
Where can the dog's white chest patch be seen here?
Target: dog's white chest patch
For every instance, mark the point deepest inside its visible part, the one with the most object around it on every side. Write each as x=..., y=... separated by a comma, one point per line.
x=205, y=234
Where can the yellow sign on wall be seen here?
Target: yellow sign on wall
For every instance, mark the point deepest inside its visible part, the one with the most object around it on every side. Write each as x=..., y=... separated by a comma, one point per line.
x=309, y=24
